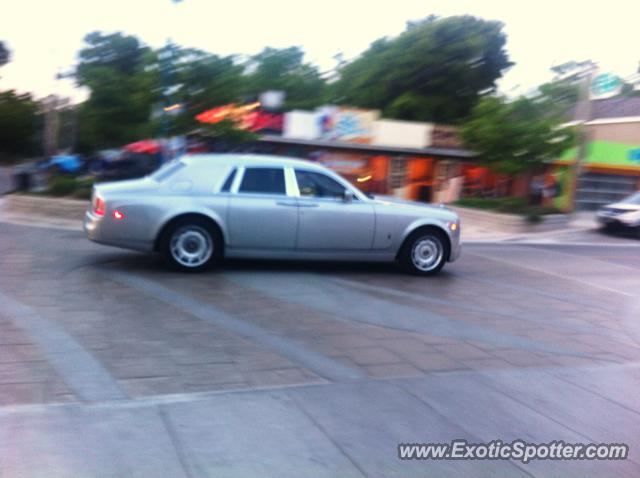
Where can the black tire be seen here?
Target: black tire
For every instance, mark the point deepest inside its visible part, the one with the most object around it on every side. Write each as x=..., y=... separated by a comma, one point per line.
x=425, y=238
x=202, y=233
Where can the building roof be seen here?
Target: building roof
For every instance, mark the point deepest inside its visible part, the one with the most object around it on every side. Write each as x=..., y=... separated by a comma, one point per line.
x=376, y=148
x=612, y=108
x=615, y=108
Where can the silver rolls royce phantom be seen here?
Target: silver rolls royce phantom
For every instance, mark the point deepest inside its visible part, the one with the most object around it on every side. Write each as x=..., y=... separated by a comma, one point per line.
x=198, y=209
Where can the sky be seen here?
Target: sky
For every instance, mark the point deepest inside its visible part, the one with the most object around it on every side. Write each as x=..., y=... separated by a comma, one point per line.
x=45, y=36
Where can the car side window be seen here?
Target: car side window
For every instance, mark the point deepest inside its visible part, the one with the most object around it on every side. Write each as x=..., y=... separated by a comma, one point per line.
x=226, y=187
x=263, y=181
x=311, y=184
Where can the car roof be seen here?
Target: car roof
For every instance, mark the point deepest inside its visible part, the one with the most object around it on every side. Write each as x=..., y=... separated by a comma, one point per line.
x=248, y=160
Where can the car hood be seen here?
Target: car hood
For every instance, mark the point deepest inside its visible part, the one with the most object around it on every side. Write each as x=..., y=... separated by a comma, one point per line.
x=390, y=200
x=403, y=206
x=624, y=205
x=127, y=186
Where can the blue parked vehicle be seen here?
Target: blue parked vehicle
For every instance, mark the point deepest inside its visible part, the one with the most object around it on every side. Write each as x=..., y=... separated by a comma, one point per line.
x=65, y=163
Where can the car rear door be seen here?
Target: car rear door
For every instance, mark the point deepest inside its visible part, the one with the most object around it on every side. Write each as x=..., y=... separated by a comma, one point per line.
x=326, y=221
x=262, y=213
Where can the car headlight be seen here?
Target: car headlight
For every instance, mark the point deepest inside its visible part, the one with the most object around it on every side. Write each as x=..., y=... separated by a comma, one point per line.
x=630, y=218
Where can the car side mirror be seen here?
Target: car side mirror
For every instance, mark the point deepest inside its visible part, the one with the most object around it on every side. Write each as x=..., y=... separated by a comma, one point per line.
x=348, y=196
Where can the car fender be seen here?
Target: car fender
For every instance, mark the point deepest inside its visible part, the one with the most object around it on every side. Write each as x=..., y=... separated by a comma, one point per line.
x=422, y=222
x=216, y=216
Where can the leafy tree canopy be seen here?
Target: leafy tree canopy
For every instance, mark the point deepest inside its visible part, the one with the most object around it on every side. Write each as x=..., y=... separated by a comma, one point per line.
x=284, y=69
x=434, y=71
x=198, y=81
x=19, y=125
x=4, y=54
x=518, y=136
x=117, y=70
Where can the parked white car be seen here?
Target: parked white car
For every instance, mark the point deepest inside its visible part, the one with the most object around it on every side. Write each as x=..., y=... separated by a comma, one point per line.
x=623, y=214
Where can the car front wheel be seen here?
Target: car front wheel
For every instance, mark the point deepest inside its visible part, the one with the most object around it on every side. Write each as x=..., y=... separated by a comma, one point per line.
x=424, y=253
x=191, y=246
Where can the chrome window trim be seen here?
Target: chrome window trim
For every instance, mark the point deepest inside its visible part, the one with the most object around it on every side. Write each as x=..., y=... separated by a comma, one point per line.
x=291, y=182
x=237, y=180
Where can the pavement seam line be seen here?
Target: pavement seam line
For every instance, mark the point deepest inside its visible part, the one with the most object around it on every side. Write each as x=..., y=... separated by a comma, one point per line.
x=175, y=441
x=176, y=398
x=402, y=294
x=325, y=367
x=553, y=274
x=80, y=370
x=429, y=322
x=401, y=385
x=322, y=430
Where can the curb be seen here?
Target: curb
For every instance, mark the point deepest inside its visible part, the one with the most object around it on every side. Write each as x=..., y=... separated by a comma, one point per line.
x=47, y=207
x=512, y=223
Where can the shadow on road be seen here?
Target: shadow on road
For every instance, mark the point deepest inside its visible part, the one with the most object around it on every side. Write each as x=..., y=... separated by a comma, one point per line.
x=152, y=263
x=621, y=233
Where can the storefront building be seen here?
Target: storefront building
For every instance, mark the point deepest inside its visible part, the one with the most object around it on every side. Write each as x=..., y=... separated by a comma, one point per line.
x=412, y=160
x=611, y=163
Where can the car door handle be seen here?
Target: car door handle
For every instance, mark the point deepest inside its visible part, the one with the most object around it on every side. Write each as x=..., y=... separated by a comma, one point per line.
x=287, y=203
x=308, y=204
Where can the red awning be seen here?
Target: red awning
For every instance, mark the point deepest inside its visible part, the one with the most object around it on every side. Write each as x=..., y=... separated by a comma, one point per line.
x=147, y=146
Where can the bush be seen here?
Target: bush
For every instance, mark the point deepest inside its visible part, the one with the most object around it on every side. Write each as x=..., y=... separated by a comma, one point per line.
x=533, y=217
x=62, y=186
x=84, y=188
x=508, y=205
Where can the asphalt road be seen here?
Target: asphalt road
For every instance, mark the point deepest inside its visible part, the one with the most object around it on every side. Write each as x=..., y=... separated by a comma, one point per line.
x=111, y=365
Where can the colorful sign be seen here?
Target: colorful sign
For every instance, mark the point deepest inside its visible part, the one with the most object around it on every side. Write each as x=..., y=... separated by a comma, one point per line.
x=445, y=137
x=605, y=85
x=607, y=153
x=347, y=124
x=634, y=155
x=248, y=117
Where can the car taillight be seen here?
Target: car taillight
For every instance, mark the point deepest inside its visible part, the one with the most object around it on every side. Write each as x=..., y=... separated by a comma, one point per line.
x=98, y=206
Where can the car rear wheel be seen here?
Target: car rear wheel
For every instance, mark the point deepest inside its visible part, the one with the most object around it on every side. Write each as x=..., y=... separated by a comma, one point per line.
x=424, y=253
x=192, y=245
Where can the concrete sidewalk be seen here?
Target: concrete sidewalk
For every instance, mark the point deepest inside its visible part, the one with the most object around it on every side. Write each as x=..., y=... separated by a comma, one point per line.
x=320, y=430
x=476, y=231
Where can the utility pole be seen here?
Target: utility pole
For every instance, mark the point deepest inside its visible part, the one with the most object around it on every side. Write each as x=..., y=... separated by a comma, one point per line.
x=582, y=116
x=50, y=136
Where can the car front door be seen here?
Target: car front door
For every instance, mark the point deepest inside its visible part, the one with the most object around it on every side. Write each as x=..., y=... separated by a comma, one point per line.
x=326, y=220
x=261, y=214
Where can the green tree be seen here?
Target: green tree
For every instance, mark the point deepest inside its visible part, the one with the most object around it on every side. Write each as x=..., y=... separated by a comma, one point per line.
x=561, y=95
x=284, y=69
x=434, y=71
x=19, y=126
x=516, y=137
x=200, y=81
x=20, y=121
x=119, y=72
x=4, y=54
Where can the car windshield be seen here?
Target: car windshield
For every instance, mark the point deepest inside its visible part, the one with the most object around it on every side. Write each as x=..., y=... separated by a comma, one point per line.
x=633, y=199
x=166, y=170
